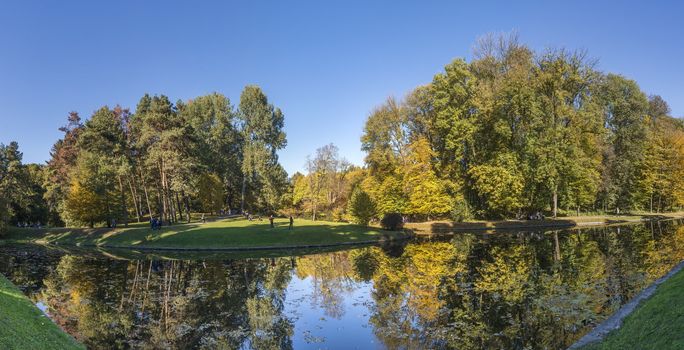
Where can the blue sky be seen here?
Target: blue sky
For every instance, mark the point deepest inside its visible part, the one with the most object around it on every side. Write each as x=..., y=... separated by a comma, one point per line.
x=325, y=64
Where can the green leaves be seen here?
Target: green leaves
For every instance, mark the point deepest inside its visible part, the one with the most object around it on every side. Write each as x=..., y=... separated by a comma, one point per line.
x=261, y=129
x=514, y=132
x=500, y=184
x=361, y=207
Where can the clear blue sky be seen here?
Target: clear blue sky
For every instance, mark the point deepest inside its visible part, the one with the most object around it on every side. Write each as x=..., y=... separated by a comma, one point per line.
x=325, y=64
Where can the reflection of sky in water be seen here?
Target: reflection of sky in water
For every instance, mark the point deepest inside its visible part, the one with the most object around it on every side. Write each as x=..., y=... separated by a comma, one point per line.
x=316, y=330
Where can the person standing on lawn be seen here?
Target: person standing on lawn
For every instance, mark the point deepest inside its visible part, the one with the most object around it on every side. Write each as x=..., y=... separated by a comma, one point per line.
x=291, y=222
x=270, y=218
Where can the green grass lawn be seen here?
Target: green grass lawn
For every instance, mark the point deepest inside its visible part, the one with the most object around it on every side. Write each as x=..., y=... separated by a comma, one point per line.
x=23, y=326
x=658, y=323
x=220, y=234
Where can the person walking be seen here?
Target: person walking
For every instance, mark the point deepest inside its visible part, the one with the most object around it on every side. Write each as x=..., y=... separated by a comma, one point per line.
x=270, y=218
x=291, y=223
x=204, y=220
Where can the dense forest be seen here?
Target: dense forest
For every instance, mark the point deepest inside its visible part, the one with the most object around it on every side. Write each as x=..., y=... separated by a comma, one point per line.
x=165, y=160
x=511, y=132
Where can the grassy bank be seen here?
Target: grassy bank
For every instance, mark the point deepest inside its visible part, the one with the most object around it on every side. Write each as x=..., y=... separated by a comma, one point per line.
x=432, y=227
x=220, y=234
x=658, y=323
x=23, y=326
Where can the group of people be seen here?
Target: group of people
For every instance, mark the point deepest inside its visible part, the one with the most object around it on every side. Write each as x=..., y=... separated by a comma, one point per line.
x=156, y=224
x=29, y=224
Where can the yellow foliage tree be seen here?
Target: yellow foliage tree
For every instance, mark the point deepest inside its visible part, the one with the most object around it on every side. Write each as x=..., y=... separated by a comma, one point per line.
x=427, y=194
x=83, y=205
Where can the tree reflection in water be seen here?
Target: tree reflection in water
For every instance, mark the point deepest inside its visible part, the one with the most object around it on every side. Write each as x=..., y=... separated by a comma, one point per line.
x=472, y=291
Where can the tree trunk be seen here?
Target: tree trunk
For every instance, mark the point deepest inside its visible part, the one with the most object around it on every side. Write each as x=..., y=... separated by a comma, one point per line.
x=164, y=213
x=138, y=209
x=180, y=208
x=187, y=207
x=242, y=196
x=555, y=202
x=660, y=203
x=651, y=203
x=124, y=208
x=147, y=197
x=314, y=210
x=109, y=213
x=556, y=246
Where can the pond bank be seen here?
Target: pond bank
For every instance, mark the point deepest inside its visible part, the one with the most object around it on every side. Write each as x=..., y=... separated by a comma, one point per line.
x=445, y=227
x=653, y=319
x=24, y=326
x=220, y=235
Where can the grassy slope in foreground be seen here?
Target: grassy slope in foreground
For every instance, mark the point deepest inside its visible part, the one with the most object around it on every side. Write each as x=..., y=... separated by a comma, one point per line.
x=658, y=323
x=23, y=326
x=227, y=233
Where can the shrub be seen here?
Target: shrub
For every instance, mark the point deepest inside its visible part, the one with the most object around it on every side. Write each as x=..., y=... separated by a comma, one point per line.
x=361, y=207
x=392, y=221
x=338, y=214
x=461, y=212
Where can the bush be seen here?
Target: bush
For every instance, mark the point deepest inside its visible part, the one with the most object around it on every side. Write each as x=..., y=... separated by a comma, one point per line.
x=461, y=212
x=392, y=221
x=338, y=214
x=361, y=207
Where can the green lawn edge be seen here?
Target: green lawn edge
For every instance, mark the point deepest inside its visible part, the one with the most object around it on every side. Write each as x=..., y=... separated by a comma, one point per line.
x=566, y=222
x=24, y=326
x=657, y=323
x=224, y=234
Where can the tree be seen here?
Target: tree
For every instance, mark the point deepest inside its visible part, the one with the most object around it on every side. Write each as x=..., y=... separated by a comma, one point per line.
x=84, y=206
x=218, y=142
x=62, y=159
x=13, y=183
x=625, y=109
x=500, y=184
x=93, y=194
x=361, y=207
x=261, y=128
x=103, y=142
x=385, y=139
x=32, y=207
x=166, y=146
x=322, y=170
x=454, y=125
x=427, y=195
x=210, y=192
x=569, y=129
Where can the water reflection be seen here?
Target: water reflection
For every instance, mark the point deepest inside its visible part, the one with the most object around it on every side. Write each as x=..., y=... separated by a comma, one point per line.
x=472, y=291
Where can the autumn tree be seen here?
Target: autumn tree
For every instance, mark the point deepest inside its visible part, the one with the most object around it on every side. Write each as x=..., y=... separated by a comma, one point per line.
x=361, y=207
x=625, y=110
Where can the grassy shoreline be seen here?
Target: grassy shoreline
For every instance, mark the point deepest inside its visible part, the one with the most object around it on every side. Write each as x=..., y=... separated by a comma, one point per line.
x=657, y=323
x=439, y=227
x=241, y=234
x=24, y=326
x=224, y=234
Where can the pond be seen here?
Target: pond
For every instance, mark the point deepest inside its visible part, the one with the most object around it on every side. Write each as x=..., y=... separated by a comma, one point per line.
x=523, y=290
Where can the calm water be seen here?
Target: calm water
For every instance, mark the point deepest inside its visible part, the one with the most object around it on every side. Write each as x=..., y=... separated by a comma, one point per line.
x=536, y=290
